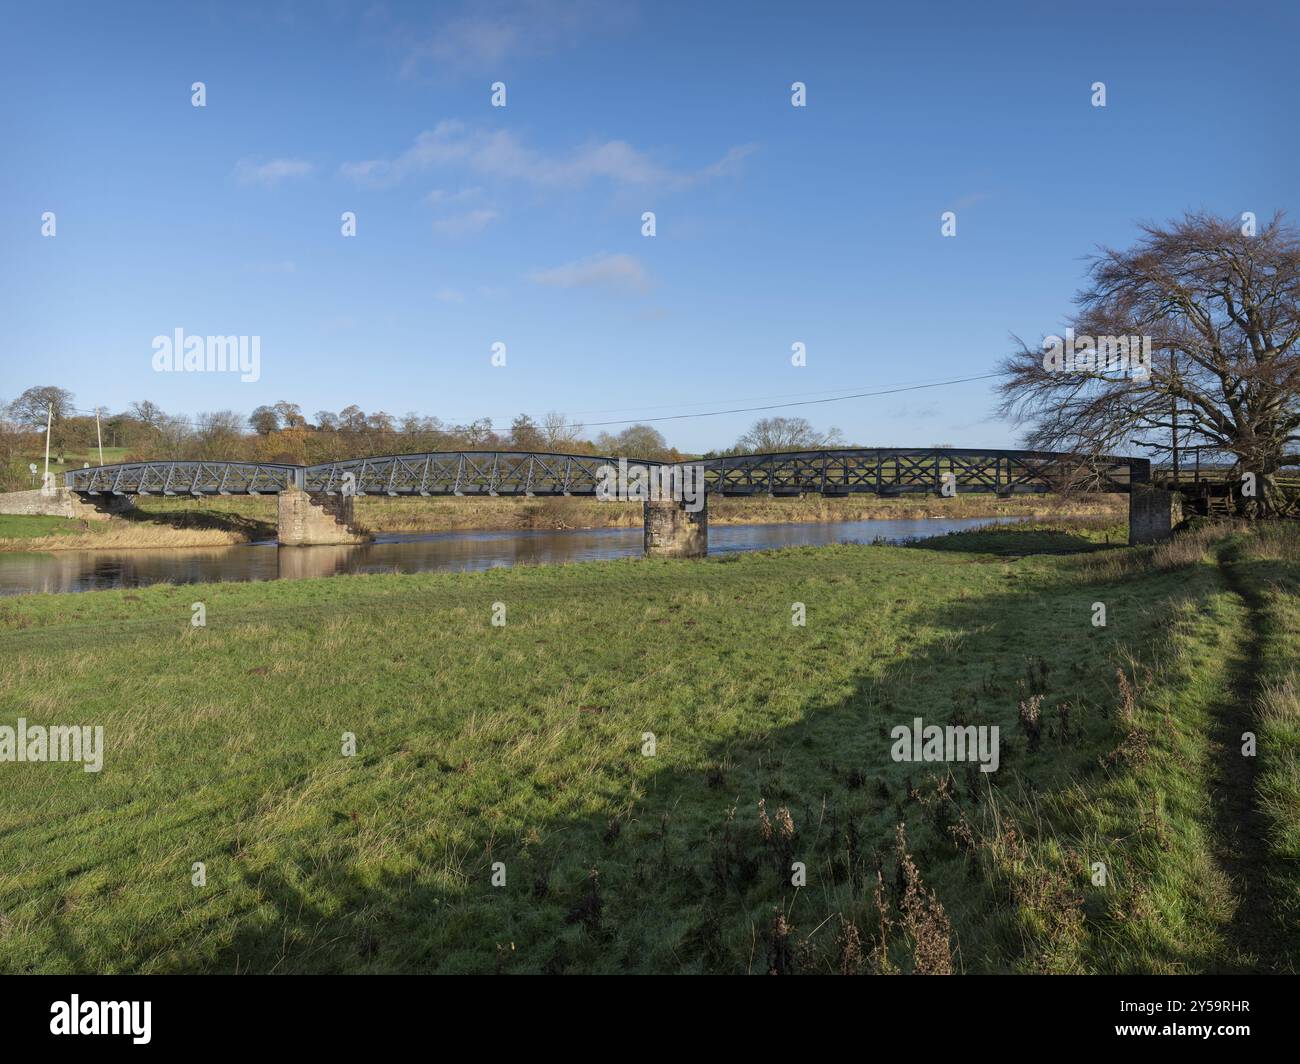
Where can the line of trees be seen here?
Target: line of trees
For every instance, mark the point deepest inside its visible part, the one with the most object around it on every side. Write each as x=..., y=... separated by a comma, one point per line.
x=281, y=432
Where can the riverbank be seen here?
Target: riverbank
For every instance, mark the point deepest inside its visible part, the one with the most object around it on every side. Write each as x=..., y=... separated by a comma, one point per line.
x=129, y=532
x=220, y=521
x=624, y=774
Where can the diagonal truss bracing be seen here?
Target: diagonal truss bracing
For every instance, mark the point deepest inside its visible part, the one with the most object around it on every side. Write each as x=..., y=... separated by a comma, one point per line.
x=838, y=471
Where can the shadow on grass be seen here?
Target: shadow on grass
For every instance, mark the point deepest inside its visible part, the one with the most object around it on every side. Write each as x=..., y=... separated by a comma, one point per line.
x=1029, y=538
x=696, y=875
x=216, y=520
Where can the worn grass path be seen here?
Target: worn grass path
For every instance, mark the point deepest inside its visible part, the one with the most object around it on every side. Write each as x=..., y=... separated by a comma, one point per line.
x=1240, y=826
x=1262, y=935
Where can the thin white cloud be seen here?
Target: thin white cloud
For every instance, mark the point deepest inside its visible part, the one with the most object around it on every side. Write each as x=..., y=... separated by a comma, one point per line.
x=499, y=154
x=620, y=272
x=439, y=197
x=493, y=32
x=271, y=173
x=469, y=222
x=449, y=295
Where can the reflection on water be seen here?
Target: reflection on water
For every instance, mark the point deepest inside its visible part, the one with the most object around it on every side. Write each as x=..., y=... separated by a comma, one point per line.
x=414, y=553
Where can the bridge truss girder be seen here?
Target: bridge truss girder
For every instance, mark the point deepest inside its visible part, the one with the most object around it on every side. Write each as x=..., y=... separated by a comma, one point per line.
x=183, y=478
x=899, y=471
x=837, y=471
x=463, y=473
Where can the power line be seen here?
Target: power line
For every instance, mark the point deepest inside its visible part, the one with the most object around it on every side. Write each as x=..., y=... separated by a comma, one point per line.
x=718, y=413
x=747, y=399
x=806, y=402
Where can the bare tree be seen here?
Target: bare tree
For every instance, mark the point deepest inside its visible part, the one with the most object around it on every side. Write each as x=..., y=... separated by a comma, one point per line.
x=218, y=435
x=290, y=414
x=34, y=406
x=1221, y=309
x=785, y=434
x=635, y=441
x=478, y=433
x=559, y=432
x=352, y=419
x=525, y=435
x=147, y=413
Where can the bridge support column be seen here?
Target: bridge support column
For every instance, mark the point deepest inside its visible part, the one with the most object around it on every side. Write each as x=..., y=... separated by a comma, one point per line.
x=1150, y=514
x=305, y=520
x=672, y=531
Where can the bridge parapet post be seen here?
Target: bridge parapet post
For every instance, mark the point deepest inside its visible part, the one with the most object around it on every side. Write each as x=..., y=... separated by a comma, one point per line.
x=673, y=530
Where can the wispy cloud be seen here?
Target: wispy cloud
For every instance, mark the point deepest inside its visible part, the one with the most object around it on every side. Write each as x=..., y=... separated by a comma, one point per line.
x=270, y=173
x=494, y=32
x=449, y=295
x=469, y=222
x=499, y=154
x=440, y=197
x=620, y=272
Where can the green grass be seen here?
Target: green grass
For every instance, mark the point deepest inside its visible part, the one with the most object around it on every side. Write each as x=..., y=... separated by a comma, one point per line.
x=24, y=527
x=1033, y=537
x=75, y=459
x=523, y=745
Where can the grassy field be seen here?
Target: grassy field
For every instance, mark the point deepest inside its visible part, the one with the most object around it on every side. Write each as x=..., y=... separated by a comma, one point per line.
x=74, y=458
x=520, y=751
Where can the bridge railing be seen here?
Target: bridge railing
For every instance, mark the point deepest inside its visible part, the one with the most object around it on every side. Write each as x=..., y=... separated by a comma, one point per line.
x=183, y=478
x=464, y=473
x=897, y=471
x=835, y=471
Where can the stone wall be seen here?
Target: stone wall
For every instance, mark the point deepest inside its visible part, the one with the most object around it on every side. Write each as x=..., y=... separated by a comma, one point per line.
x=309, y=520
x=63, y=503
x=671, y=531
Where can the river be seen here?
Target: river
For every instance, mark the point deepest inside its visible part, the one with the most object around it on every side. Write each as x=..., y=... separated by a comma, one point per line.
x=95, y=570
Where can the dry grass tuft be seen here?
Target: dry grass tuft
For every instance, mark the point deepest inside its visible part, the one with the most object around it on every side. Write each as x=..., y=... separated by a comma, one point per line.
x=128, y=537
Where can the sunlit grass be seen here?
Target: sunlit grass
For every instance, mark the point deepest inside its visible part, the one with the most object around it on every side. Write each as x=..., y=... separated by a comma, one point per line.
x=523, y=744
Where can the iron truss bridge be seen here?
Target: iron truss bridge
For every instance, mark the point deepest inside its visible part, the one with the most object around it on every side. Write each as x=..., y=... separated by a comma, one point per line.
x=183, y=478
x=901, y=471
x=841, y=471
x=464, y=473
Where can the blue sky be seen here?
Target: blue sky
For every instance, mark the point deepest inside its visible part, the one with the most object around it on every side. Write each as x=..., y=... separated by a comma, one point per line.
x=522, y=224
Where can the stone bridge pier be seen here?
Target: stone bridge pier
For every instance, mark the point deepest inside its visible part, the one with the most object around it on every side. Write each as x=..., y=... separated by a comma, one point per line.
x=673, y=531
x=1150, y=514
x=308, y=520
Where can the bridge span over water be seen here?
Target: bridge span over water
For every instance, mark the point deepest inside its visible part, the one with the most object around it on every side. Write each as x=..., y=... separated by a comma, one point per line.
x=316, y=503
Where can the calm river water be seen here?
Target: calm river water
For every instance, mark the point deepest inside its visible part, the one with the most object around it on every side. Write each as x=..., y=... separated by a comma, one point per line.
x=63, y=571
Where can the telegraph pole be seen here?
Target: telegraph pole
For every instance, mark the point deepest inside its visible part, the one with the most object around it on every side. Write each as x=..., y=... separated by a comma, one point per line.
x=99, y=436
x=49, y=420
